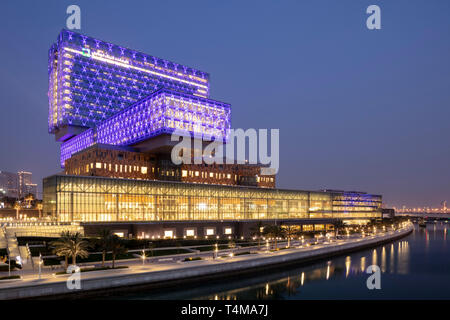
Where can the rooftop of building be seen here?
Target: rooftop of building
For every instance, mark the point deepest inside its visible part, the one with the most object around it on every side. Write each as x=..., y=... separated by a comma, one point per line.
x=132, y=52
x=201, y=185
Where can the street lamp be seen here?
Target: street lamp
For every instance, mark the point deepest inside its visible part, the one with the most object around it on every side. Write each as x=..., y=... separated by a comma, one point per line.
x=143, y=257
x=216, y=251
x=40, y=263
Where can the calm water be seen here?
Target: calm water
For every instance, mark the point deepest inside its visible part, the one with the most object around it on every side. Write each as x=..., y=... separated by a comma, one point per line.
x=415, y=267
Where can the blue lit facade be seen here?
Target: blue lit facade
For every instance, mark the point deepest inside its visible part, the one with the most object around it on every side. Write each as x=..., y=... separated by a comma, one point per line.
x=161, y=112
x=91, y=80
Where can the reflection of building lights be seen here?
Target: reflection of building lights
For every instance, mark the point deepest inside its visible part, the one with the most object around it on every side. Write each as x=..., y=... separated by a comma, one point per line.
x=328, y=270
x=348, y=262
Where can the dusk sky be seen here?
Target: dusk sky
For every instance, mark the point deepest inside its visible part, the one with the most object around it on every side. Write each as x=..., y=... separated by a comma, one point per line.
x=357, y=109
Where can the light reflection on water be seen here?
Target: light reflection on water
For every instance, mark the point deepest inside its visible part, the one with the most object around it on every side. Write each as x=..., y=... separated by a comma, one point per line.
x=415, y=267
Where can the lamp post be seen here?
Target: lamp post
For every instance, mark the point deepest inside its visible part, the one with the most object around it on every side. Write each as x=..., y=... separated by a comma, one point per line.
x=143, y=257
x=40, y=263
x=216, y=251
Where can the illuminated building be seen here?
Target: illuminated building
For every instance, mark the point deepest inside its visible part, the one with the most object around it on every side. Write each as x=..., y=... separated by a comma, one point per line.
x=114, y=109
x=90, y=80
x=9, y=184
x=152, y=207
x=126, y=162
x=17, y=185
x=26, y=186
x=159, y=113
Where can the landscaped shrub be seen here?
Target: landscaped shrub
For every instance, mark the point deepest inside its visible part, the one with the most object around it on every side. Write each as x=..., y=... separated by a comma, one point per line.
x=10, y=277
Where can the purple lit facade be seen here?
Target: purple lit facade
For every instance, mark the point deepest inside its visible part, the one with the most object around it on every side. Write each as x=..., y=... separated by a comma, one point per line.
x=159, y=113
x=91, y=80
x=77, y=143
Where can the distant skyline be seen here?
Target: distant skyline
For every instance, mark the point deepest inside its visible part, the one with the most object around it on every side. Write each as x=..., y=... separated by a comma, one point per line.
x=357, y=109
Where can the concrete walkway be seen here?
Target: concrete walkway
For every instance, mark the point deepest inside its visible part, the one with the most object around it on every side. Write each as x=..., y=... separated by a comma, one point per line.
x=161, y=273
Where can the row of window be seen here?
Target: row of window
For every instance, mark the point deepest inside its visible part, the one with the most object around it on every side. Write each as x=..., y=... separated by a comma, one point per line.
x=118, y=168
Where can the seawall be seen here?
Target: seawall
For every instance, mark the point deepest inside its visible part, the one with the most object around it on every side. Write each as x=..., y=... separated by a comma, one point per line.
x=93, y=283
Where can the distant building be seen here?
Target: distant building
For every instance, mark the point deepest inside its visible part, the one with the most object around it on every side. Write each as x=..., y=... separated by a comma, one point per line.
x=9, y=184
x=16, y=185
x=388, y=213
x=26, y=186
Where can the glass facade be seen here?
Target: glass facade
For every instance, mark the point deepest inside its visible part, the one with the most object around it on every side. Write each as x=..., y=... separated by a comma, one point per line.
x=98, y=199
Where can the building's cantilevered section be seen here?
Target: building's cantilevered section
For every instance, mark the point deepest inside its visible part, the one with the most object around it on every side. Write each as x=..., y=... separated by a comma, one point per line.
x=159, y=113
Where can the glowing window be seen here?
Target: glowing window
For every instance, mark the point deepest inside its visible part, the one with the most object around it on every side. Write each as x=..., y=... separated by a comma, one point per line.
x=168, y=233
x=144, y=170
x=228, y=231
x=190, y=232
x=210, y=231
x=184, y=173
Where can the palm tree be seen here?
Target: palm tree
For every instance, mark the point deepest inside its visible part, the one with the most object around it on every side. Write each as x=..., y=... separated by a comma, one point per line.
x=116, y=248
x=103, y=243
x=338, y=224
x=257, y=231
x=290, y=232
x=61, y=247
x=17, y=208
x=71, y=244
x=40, y=206
x=274, y=231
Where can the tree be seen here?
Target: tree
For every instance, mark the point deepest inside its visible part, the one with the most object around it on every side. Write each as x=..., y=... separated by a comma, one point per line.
x=257, y=231
x=274, y=231
x=39, y=207
x=290, y=232
x=103, y=243
x=117, y=248
x=61, y=247
x=71, y=245
x=29, y=198
x=338, y=224
x=17, y=208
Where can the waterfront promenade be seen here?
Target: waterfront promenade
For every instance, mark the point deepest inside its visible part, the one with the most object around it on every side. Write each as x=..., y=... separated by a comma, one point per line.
x=170, y=272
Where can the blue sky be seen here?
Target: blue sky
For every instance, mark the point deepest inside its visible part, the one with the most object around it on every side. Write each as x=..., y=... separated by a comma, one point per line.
x=357, y=109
